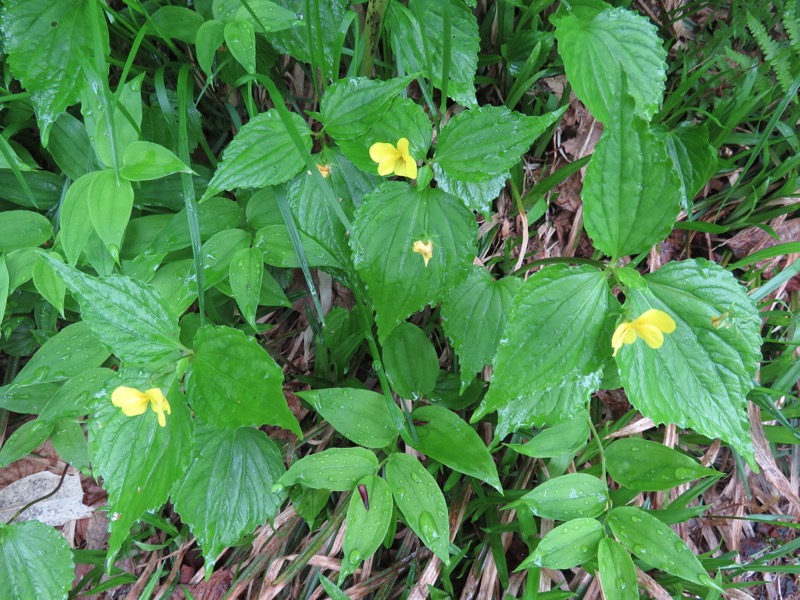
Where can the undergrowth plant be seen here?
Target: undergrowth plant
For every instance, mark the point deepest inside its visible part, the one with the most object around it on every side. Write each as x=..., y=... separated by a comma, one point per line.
x=143, y=270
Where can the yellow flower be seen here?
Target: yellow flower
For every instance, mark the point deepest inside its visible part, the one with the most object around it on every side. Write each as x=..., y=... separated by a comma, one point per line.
x=324, y=170
x=425, y=249
x=394, y=160
x=650, y=326
x=134, y=403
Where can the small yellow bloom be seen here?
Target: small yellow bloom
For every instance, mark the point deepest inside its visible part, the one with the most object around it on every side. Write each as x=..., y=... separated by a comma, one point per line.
x=134, y=403
x=425, y=249
x=650, y=326
x=394, y=160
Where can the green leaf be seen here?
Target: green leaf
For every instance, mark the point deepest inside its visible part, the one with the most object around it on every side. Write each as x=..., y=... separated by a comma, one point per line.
x=138, y=460
x=617, y=571
x=68, y=353
x=234, y=382
x=647, y=466
x=631, y=191
x=78, y=396
x=144, y=161
x=477, y=197
x=175, y=22
x=262, y=153
x=49, y=284
x=693, y=157
x=24, y=440
x=350, y=107
x=566, y=546
x=246, y=274
x=45, y=186
x=702, y=374
x=74, y=220
x=71, y=149
x=240, y=37
x=481, y=144
x=278, y=251
x=410, y=361
x=26, y=399
x=37, y=562
x=568, y=497
x=445, y=437
x=558, y=332
x=419, y=498
x=216, y=216
x=231, y=467
x=609, y=53
x=390, y=221
x=4, y=287
x=23, y=229
x=656, y=544
x=368, y=520
x=44, y=41
x=267, y=16
x=210, y=36
x=363, y=417
x=110, y=203
x=128, y=317
x=560, y=440
x=474, y=316
x=337, y=469
x=333, y=590
x=69, y=441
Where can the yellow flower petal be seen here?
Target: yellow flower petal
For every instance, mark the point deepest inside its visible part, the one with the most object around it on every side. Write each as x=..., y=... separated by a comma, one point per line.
x=402, y=146
x=658, y=319
x=406, y=168
x=425, y=249
x=386, y=166
x=623, y=334
x=651, y=334
x=159, y=404
x=380, y=150
x=130, y=400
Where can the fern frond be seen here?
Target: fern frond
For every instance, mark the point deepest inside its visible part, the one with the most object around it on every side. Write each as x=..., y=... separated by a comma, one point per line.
x=778, y=57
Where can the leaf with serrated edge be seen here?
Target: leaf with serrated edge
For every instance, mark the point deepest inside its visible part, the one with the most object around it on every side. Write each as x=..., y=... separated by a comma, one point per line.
x=694, y=158
x=610, y=51
x=231, y=467
x=559, y=331
x=700, y=377
x=474, y=316
x=388, y=223
x=138, y=460
x=631, y=191
x=234, y=382
x=37, y=562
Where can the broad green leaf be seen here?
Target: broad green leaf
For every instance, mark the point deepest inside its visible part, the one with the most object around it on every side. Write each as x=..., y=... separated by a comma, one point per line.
x=4, y=287
x=631, y=190
x=566, y=546
x=337, y=469
x=240, y=38
x=45, y=186
x=617, y=571
x=23, y=229
x=694, y=158
x=262, y=153
x=568, y=497
x=420, y=499
x=209, y=38
x=350, y=107
x=215, y=216
x=648, y=466
x=71, y=351
x=474, y=316
x=44, y=41
x=69, y=441
x=24, y=441
x=37, y=562
x=403, y=119
x=138, y=460
x=363, y=417
x=78, y=396
x=267, y=16
x=446, y=437
x=410, y=361
x=230, y=468
x=27, y=399
x=560, y=440
x=277, y=248
x=110, y=203
x=702, y=374
x=71, y=149
x=558, y=332
x=477, y=197
x=609, y=53
x=144, y=161
x=369, y=515
x=246, y=274
x=417, y=36
x=309, y=502
x=74, y=219
x=218, y=252
x=174, y=282
x=656, y=544
x=234, y=382
x=126, y=315
x=481, y=144
x=175, y=22
x=49, y=284
x=387, y=225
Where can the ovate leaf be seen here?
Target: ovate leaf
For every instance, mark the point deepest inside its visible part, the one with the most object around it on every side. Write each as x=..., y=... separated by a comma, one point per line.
x=37, y=562
x=231, y=467
x=617, y=571
x=631, y=191
x=410, y=361
x=568, y=497
x=337, y=469
x=44, y=40
x=700, y=377
x=369, y=515
x=144, y=161
x=110, y=204
x=694, y=158
x=234, y=382
x=261, y=154
x=566, y=546
x=23, y=229
x=246, y=274
x=610, y=52
x=240, y=37
x=390, y=221
x=74, y=218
